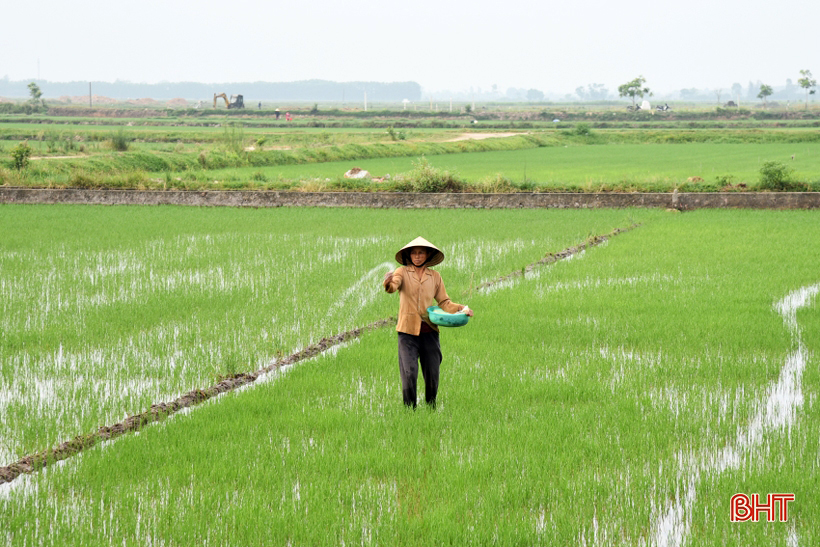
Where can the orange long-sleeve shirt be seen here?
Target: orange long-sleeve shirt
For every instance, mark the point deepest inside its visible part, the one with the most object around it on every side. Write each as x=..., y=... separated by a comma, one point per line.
x=416, y=296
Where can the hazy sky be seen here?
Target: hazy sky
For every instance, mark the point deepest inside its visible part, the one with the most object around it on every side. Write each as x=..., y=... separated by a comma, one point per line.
x=441, y=44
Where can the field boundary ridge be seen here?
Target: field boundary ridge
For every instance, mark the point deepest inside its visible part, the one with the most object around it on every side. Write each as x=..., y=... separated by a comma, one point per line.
x=160, y=411
x=550, y=258
x=683, y=201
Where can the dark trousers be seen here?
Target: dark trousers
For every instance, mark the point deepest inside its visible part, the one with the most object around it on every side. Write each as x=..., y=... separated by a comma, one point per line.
x=424, y=349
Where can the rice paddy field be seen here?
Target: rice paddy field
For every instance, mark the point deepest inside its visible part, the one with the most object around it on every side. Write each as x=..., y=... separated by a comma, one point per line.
x=659, y=167
x=587, y=153
x=619, y=396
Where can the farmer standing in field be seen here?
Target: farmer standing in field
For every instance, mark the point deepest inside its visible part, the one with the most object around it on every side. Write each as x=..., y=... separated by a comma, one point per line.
x=418, y=286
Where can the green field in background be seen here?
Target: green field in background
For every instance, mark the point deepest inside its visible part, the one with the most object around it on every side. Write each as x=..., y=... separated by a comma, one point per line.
x=665, y=164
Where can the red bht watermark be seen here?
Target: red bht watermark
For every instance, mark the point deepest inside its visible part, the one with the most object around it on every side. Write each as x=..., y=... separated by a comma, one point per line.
x=776, y=508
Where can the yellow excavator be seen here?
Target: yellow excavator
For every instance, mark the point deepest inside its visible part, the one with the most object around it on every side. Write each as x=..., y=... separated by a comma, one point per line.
x=236, y=101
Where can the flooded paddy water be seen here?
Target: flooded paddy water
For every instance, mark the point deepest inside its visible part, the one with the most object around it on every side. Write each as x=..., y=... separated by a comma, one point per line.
x=617, y=398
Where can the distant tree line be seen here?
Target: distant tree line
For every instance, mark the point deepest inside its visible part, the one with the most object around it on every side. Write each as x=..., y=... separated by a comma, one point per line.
x=308, y=90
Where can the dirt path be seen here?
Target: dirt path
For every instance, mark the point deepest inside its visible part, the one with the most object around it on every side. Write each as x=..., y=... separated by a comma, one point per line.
x=481, y=136
x=462, y=137
x=252, y=148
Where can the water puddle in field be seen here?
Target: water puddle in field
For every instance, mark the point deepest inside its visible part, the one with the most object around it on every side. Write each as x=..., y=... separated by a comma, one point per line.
x=791, y=539
x=671, y=522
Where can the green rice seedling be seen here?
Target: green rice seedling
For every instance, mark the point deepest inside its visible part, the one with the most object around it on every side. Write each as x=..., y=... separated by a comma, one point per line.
x=599, y=400
x=136, y=305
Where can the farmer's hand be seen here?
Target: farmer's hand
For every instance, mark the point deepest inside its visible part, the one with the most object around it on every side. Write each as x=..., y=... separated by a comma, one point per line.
x=467, y=311
x=388, y=277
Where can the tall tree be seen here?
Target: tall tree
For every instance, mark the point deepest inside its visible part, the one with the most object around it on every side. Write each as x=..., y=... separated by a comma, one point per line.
x=534, y=95
x=807, y=83
x=634, y=89
x=689, y=94
x=790, y=88
x=765, y=91
x=737, y=89
x=597, y=92
x=581, y=92
x=752, y=90
x=34, y=91
x=593, y=92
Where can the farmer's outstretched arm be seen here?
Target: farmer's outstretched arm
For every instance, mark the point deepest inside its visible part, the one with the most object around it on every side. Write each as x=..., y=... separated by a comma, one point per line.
x=393, y=280
x=444, y=301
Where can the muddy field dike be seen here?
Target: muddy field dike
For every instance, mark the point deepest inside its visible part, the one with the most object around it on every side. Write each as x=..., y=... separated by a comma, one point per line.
x=681, y=201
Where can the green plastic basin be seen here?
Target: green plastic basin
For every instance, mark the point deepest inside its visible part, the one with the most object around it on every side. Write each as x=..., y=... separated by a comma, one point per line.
x=443, y=319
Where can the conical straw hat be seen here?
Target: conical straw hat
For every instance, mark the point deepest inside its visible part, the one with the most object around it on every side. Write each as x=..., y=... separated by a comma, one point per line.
x=434, y=256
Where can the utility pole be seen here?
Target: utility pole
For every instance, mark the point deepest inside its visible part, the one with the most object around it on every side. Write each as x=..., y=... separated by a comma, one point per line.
x=89, y=95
